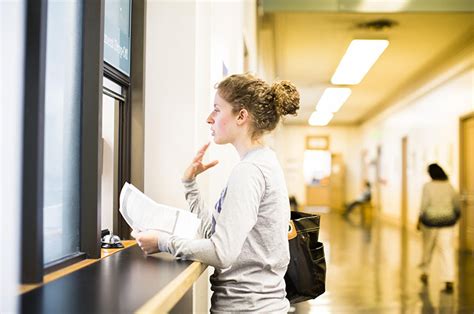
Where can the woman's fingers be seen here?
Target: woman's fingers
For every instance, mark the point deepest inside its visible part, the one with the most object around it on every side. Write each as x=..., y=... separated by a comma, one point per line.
x=210, y=165
x=197, y=166
x=204, y=147
x=201, y=152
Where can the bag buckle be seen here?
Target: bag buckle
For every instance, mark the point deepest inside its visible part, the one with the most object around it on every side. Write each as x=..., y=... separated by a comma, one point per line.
x=291, y=230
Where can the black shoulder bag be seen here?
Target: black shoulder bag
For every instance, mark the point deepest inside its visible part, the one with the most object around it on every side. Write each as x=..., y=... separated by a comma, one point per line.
x=306, y=275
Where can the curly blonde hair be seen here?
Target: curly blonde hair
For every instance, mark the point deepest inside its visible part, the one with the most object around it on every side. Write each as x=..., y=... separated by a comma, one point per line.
x=265, y=103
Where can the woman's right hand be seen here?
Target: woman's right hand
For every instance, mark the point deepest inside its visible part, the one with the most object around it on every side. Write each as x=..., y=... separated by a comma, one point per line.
x=196, y=167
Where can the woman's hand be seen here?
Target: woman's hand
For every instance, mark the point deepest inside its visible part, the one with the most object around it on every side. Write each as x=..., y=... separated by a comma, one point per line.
x=196, y=167
x=147, y=240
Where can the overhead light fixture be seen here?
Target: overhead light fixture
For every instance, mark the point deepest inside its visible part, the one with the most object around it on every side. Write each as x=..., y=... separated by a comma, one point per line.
x=333, y=98
x=320, y=118
x=357, y=61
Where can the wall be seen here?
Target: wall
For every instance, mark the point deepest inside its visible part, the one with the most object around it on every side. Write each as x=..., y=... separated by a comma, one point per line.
x=12, y=17
x=189, y=45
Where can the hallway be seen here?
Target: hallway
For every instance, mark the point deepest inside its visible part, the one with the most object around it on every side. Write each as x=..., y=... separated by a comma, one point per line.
x=374, y=270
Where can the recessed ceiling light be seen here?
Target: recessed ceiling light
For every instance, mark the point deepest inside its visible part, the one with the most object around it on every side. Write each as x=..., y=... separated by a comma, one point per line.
x=320, y=118
x=357, y=61
x=333, y=98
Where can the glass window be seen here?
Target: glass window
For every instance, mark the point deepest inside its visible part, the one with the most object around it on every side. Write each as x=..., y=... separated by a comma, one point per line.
x=110, y=155
x=62, y=130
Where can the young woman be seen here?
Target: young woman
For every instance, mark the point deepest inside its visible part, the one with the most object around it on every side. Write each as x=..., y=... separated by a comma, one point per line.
x=438, y=196
x=245, y=236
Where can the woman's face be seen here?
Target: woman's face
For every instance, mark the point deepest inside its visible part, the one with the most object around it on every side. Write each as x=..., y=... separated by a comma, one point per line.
x=222, y=121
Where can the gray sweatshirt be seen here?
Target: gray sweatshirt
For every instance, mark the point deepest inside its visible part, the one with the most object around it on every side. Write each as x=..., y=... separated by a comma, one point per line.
x=245, y=237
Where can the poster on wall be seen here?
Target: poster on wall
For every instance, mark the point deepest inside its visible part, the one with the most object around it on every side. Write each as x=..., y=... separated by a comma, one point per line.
x=117, y=34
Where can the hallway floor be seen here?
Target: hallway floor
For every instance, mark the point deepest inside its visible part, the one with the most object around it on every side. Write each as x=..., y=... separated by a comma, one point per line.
x=373, y=269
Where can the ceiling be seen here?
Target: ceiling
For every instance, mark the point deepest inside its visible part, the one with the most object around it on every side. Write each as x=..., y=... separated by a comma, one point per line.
x=306, y=47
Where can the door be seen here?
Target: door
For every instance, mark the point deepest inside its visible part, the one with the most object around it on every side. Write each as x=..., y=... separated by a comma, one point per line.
x=404, y=190
x=466, y=229
x=337, y=183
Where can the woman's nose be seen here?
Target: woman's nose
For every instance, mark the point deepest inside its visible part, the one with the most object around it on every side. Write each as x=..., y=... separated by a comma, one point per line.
x=209, y=119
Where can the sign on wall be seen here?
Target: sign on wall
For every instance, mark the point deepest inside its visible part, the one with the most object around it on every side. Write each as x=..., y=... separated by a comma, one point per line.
x=117, y=33
x=317, y=142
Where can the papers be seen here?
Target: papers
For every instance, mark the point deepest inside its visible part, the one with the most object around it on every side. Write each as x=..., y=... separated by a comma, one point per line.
x=142, y=213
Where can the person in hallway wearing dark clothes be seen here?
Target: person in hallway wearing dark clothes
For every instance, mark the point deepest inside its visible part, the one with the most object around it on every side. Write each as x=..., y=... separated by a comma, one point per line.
x=438, y=197
x=365, y=197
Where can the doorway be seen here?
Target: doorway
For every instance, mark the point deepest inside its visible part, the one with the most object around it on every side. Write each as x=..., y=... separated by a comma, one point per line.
x=317, y=171
x=466, y=184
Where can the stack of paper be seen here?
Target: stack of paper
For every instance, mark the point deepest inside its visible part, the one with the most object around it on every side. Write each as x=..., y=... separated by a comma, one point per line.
x=142, y=213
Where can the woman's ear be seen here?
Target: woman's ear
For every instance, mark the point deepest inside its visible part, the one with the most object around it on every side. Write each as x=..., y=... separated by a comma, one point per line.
x=242, y=116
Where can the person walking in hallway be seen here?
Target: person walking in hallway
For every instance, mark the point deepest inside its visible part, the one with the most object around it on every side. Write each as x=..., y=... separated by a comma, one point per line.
x=245, y=237
x=439, y=200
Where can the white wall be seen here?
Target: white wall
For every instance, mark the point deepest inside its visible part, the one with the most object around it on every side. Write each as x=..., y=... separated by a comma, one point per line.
x=187, y=44
x=11, y=93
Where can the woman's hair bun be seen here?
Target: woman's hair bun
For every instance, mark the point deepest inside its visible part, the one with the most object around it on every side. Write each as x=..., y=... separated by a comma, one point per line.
x=286, y=98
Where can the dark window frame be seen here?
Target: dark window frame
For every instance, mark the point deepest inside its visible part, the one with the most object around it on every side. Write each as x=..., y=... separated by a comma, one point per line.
x=92, y=75
x=33, y=142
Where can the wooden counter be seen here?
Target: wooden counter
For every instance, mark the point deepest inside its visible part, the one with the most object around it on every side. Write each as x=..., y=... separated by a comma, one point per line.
x=126, y=282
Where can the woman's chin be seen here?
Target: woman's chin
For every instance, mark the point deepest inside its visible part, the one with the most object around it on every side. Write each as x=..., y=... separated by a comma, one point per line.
x=219, y=140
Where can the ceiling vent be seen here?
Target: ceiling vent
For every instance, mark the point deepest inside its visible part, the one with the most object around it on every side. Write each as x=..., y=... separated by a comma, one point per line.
x=378, y=25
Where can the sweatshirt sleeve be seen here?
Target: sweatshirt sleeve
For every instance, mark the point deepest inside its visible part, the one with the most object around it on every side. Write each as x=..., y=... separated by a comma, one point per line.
x=245, y=190
x=197, y=206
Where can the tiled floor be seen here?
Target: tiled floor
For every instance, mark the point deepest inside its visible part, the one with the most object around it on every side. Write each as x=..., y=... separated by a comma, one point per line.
x=373, y=269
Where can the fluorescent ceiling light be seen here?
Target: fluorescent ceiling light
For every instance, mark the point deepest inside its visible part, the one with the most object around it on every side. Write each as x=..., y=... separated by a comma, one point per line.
x=382, y=6
x=357, y=61
x=320, y=118
x=333, y=98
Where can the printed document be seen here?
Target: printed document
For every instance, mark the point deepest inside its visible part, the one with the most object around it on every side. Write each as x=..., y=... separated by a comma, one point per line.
x=142, y=213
